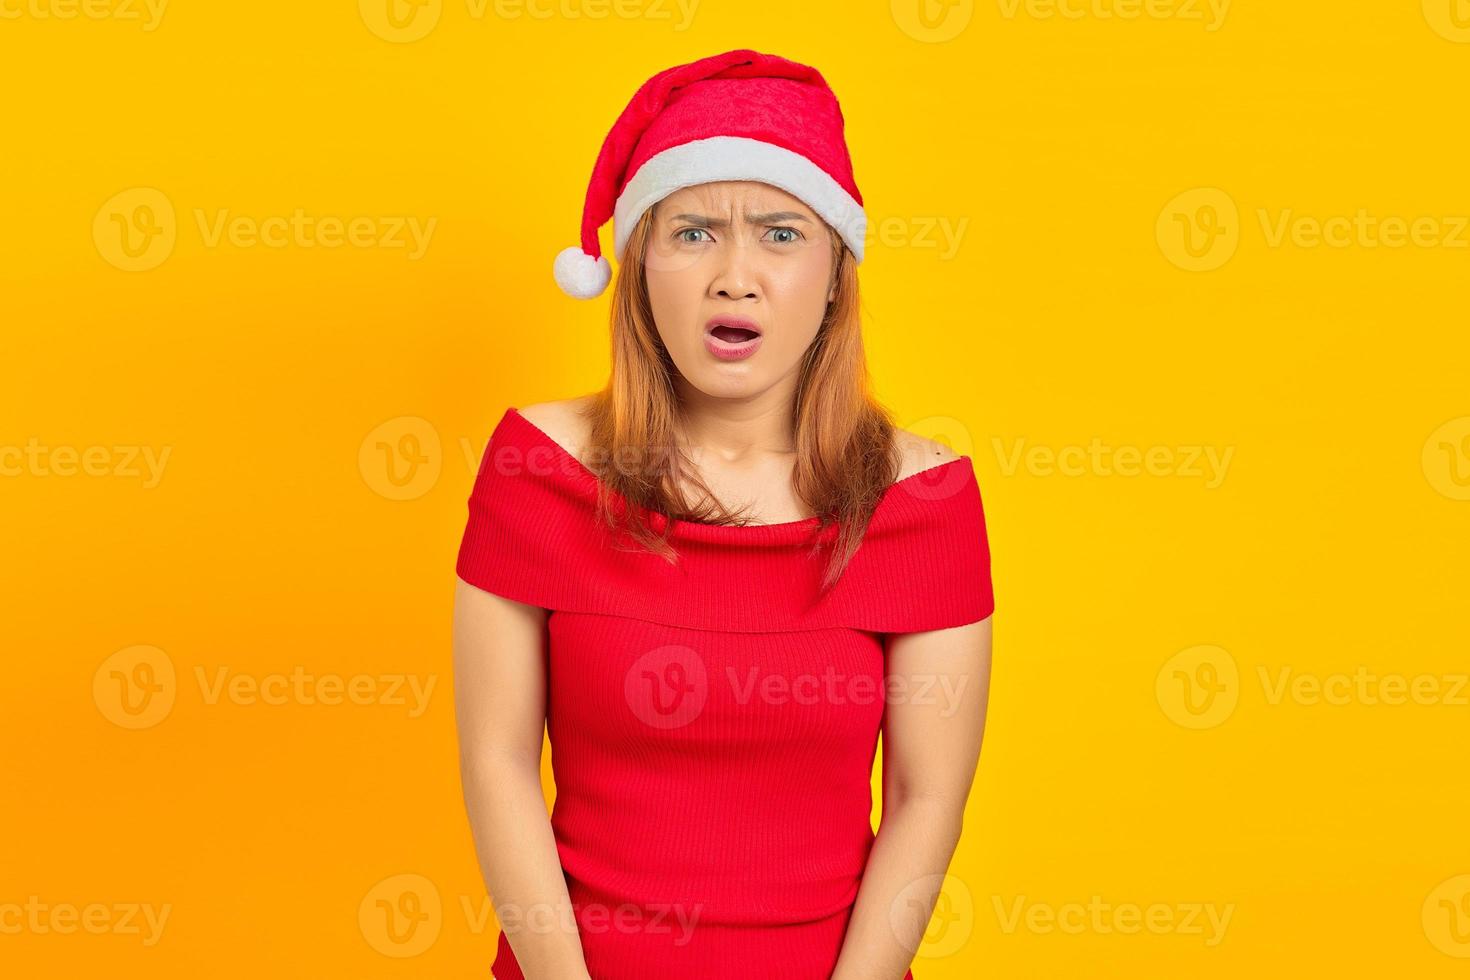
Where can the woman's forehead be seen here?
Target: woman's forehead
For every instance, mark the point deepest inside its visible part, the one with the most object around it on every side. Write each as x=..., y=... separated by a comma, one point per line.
x=731, y=197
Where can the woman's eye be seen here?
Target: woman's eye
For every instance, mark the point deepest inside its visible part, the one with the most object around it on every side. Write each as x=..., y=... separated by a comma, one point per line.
x=786, y=236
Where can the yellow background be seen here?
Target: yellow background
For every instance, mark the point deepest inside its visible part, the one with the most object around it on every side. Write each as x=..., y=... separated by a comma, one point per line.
x=1067, y=155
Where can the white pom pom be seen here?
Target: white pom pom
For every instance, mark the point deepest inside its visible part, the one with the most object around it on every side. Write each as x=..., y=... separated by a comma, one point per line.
x=580, y=275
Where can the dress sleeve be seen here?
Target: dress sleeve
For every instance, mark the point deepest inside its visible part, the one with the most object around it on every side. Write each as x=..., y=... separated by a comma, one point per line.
x=926, y=565
x=519, y=540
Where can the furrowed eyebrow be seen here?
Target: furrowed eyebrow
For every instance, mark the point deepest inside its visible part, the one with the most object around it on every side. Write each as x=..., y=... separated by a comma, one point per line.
x=770, y=217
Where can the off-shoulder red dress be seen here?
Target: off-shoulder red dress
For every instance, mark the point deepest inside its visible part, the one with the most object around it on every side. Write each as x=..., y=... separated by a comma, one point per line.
x=713, y=724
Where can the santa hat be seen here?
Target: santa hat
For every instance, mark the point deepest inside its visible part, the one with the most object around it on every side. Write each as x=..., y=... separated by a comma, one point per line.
x=740, y=115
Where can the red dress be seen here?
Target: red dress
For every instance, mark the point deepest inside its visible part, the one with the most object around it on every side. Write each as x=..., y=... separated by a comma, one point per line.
x=713, y=728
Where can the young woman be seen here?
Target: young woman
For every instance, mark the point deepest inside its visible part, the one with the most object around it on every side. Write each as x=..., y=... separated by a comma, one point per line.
x=717, y=579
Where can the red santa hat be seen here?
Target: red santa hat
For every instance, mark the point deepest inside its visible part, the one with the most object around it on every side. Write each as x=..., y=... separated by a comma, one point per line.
x=740, y=115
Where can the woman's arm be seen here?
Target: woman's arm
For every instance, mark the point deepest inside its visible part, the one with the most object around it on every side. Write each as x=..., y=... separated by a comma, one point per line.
x=932, y=728
x=500, y=711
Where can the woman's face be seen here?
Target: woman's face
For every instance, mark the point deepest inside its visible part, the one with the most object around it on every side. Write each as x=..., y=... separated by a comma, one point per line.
x=745, y=251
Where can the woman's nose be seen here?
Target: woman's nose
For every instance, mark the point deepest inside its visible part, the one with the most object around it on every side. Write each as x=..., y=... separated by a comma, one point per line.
x=736, y=276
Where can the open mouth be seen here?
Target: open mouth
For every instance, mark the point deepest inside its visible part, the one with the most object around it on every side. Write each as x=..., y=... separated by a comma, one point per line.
x=733, y=335
x=732, y=338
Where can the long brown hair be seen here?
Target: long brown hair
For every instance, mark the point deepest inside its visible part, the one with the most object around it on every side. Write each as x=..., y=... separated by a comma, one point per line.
x=845, y=456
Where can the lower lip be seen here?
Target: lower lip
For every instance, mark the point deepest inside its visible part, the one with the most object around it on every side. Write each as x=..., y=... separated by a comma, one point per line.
x=727, y=351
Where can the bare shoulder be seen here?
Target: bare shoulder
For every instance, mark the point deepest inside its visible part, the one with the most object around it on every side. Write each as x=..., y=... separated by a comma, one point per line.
x=917, y=453
x=565, y=421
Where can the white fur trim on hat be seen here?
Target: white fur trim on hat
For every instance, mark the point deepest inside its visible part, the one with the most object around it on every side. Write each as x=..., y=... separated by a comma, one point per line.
x=738, y=158
x=579, y=274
